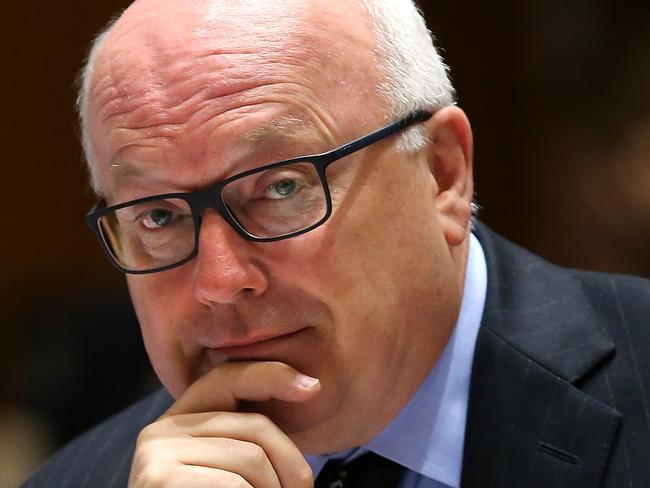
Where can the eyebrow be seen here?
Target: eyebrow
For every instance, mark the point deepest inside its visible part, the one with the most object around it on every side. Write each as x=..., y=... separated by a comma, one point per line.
x=124, y=169
x=284, y=125
x=284, y=128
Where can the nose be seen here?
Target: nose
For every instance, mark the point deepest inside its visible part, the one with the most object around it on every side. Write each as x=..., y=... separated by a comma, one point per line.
x=224, y=271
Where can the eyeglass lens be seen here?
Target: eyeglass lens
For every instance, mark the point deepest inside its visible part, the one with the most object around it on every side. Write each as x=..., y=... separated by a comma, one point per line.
x=278, y=201
x=266, y=204
x=149, y=235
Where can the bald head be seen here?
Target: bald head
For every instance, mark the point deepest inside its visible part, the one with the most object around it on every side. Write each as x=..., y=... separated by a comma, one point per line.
x=155, y=44
x=161, y=55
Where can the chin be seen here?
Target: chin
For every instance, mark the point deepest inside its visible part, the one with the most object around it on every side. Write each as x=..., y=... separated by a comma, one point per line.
x=291, y=418
x=302, y=422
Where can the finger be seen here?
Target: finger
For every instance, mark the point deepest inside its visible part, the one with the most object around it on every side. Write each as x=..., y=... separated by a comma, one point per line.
x=286, y=459
x=247, y=459
x=183, y=476
x=225, y=386
x=211, y=478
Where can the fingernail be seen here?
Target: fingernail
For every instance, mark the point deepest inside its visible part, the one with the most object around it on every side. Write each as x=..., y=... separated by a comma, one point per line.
x=306, y=382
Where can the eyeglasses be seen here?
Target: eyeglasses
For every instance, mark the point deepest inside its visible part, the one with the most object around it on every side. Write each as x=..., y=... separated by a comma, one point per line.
x=270, y=203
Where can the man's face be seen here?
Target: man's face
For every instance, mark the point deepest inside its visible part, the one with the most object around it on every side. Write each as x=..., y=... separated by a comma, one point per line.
x=366, y=302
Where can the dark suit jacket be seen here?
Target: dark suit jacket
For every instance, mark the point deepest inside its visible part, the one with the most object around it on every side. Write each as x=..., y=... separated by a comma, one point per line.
x=560, y=390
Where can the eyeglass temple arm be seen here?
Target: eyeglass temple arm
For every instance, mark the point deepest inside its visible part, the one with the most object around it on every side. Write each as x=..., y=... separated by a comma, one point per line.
x=413, y=118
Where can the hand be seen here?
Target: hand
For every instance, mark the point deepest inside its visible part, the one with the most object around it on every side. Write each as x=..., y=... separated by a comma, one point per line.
x=203, y=441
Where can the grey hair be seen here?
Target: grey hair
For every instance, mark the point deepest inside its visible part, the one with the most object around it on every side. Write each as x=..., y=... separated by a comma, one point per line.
x=83, y=84
x=413, y=73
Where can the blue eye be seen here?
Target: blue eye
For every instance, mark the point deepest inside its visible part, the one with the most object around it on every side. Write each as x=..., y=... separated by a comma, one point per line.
x=157, y=218
x=282, y=189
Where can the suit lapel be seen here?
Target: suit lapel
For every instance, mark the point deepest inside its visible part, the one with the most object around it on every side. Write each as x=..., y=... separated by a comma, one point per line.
x=528, y=425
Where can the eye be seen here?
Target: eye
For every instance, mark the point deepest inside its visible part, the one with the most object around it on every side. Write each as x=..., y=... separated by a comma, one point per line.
x=283, y=188
x=157, y=218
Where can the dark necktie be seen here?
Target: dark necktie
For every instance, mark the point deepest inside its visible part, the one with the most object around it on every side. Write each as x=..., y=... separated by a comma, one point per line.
x=367, y=471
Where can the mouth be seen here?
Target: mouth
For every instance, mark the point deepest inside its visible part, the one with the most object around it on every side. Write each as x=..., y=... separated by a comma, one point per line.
x=269, y=348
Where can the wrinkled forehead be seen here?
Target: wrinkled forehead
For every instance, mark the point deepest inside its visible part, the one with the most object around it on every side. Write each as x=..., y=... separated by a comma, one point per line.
x=163, y=53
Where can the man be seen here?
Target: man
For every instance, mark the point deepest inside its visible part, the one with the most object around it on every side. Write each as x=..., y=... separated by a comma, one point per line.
x=305, y=309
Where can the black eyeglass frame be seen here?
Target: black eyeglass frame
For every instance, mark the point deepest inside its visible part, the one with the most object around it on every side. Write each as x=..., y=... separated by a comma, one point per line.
x=211, y=197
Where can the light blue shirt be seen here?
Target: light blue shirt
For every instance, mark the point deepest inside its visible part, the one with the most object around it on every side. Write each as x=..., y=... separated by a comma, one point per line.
x=428, y=434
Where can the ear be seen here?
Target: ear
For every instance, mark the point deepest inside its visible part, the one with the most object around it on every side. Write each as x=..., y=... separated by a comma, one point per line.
x=450, y=162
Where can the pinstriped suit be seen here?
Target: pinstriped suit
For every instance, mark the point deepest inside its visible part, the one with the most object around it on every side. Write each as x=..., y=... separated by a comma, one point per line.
x=560, y=390
x=559, y=397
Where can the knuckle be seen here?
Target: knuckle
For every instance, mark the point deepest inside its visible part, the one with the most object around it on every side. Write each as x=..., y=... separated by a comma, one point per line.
x=255, y=455
x=149, y=460
x=280, y=365
x=146, y=450
x=147, y=433
x=282, y=368
x=260, y=423
x=233, y=480
x=304, y=477
x=146, y=456
x=152, y=430
x=151, y=476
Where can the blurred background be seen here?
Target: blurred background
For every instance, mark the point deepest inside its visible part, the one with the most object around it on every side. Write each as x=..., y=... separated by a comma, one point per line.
x=559, y=97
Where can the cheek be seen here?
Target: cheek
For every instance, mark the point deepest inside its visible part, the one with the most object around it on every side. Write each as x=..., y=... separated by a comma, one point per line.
x=375, y=252
x=366, y=278
x=378, y=265
x=157, y=312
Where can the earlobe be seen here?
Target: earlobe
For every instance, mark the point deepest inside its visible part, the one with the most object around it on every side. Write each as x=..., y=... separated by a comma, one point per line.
x=451, y=161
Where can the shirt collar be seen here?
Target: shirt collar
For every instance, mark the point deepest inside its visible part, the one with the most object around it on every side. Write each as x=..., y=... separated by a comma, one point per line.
x=428, y=434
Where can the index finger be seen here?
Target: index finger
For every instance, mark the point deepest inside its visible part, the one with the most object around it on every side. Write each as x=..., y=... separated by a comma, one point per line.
x=224, y=387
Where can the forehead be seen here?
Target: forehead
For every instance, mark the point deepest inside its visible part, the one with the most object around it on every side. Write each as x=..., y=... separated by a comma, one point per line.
x=174, y=71
x=160, y=59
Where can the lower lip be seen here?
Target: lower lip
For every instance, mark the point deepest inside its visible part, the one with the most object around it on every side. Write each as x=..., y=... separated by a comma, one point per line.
x=270, y=349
